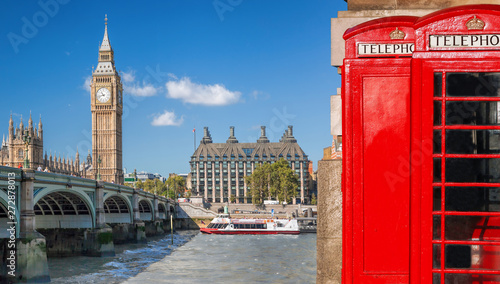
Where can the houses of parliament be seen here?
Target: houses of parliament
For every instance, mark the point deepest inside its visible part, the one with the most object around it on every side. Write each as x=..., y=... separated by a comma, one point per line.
x=106, y=104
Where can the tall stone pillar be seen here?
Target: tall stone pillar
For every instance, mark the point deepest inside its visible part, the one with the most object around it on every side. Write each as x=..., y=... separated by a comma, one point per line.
x=98, y=241
x=156, y=215
x=100, y=221
x=135, y=204
x=31, y=263
x=139, y=225
x=329, y=234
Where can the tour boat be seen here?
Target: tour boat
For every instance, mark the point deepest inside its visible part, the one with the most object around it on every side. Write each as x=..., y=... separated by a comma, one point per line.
x=224, y=225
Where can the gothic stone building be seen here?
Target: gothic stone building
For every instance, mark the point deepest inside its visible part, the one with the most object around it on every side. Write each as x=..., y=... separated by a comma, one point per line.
x=13, y=151
x=106, y=103
x=218, y=170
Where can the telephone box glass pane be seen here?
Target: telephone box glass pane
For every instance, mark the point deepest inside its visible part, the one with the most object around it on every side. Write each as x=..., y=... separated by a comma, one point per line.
x=452, y=278
x=472, y=141
x=473, y=170
x=437, y=113
x=436, y=258
x=471, y=113
x=436, y=278
x=437, y=169
x=472, y=257
x=436, y=227
x=437, y=141
x=437, y=199
x=438, y=84
x=457, y=256
x=472, y=228
x=479, y=199
x=472, y=84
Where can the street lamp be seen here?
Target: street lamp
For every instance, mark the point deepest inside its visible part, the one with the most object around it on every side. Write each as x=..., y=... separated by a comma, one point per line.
x=98, y=167
x=27, y=140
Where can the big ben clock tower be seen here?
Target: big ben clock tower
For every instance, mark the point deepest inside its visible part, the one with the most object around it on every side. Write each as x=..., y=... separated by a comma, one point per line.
x=107, y=107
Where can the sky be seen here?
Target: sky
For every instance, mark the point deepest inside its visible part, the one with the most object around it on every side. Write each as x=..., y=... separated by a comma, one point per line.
x=184, y=64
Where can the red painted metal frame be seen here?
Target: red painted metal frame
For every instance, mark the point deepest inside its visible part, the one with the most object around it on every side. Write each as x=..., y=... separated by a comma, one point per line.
x=356, y=167
x=422, y=181
x=425, y=63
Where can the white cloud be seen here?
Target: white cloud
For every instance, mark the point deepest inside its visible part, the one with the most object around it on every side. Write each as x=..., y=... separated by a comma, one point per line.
x=167, y=118
x=86, y=84
x=194, y=93
x=260, y=95
x=128, y=76
x=146, y=90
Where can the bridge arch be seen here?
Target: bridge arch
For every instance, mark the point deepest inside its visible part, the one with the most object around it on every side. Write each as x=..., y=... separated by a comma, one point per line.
x=172, y=210
x=146, y=209
x=4, y=209
x=118, y=209
x=63, y=208
x=162, y=210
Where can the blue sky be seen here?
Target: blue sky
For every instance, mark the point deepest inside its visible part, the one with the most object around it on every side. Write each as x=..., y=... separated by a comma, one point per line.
x=185, y=64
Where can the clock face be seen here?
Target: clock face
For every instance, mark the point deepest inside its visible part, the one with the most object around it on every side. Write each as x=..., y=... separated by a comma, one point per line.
x=103, y=95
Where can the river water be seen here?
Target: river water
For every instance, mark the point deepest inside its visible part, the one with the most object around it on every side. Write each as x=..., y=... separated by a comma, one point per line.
x=198, y=258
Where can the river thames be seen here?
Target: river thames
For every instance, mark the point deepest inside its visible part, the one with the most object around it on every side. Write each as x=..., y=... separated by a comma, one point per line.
x=198, y=258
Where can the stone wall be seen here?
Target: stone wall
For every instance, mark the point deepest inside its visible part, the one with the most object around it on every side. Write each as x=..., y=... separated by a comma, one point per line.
x=329, y=233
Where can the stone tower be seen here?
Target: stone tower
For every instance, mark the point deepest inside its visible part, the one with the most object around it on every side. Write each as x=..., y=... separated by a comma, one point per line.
x=106, y=105
x=16, y=145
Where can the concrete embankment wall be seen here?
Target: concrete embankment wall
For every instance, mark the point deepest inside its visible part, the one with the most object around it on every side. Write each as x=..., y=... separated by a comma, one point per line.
x=99, y=242
x=190, y=216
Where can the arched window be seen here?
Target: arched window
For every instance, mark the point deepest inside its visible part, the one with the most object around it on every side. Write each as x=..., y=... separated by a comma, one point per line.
x=20, y=154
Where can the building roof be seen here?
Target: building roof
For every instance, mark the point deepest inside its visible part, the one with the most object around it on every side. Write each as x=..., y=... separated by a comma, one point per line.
x=287, y=146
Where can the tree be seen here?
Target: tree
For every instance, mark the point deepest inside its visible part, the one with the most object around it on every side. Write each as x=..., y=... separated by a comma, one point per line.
x=273, y=181
x=284, y=181
x=176, y=185
x=149, y=186
x=259, y=182
x=139, y=184
x=313, y=199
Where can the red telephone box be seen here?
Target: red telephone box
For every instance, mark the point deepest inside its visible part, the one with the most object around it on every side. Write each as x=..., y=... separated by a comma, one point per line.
x=376, y=151
x=421, y=130
x=455, y=112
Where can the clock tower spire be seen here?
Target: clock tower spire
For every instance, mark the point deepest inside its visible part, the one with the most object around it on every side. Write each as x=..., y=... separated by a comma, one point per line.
x=106, y=106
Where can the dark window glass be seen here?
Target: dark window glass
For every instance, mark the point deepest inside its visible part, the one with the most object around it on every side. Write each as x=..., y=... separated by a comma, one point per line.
x=436, y=258
x=469, y=228
x=437, y=199
x=437, y=113
x=437, y=169
x=481, y=199
x=472, y=141
x=436, y=278
x=457, y=256
x=473, y=170
x=436, y=227
x=437, y=141
x=438, y=84
x=472, y=84
x=469, y=278
x=472, y=113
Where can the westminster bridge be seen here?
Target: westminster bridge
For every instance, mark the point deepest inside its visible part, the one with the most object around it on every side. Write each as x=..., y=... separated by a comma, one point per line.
x=46, y=214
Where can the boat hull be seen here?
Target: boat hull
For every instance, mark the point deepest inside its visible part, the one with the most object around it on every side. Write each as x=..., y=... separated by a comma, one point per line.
x=247, y=232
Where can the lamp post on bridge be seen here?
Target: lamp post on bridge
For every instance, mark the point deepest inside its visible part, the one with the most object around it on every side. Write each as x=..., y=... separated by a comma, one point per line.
x=98, y=167
x=27, y=140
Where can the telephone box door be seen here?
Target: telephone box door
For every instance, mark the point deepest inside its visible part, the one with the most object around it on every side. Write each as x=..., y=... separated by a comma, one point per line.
x=460, y=190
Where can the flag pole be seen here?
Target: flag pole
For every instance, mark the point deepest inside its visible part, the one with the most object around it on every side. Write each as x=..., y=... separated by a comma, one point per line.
x=194, y=138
